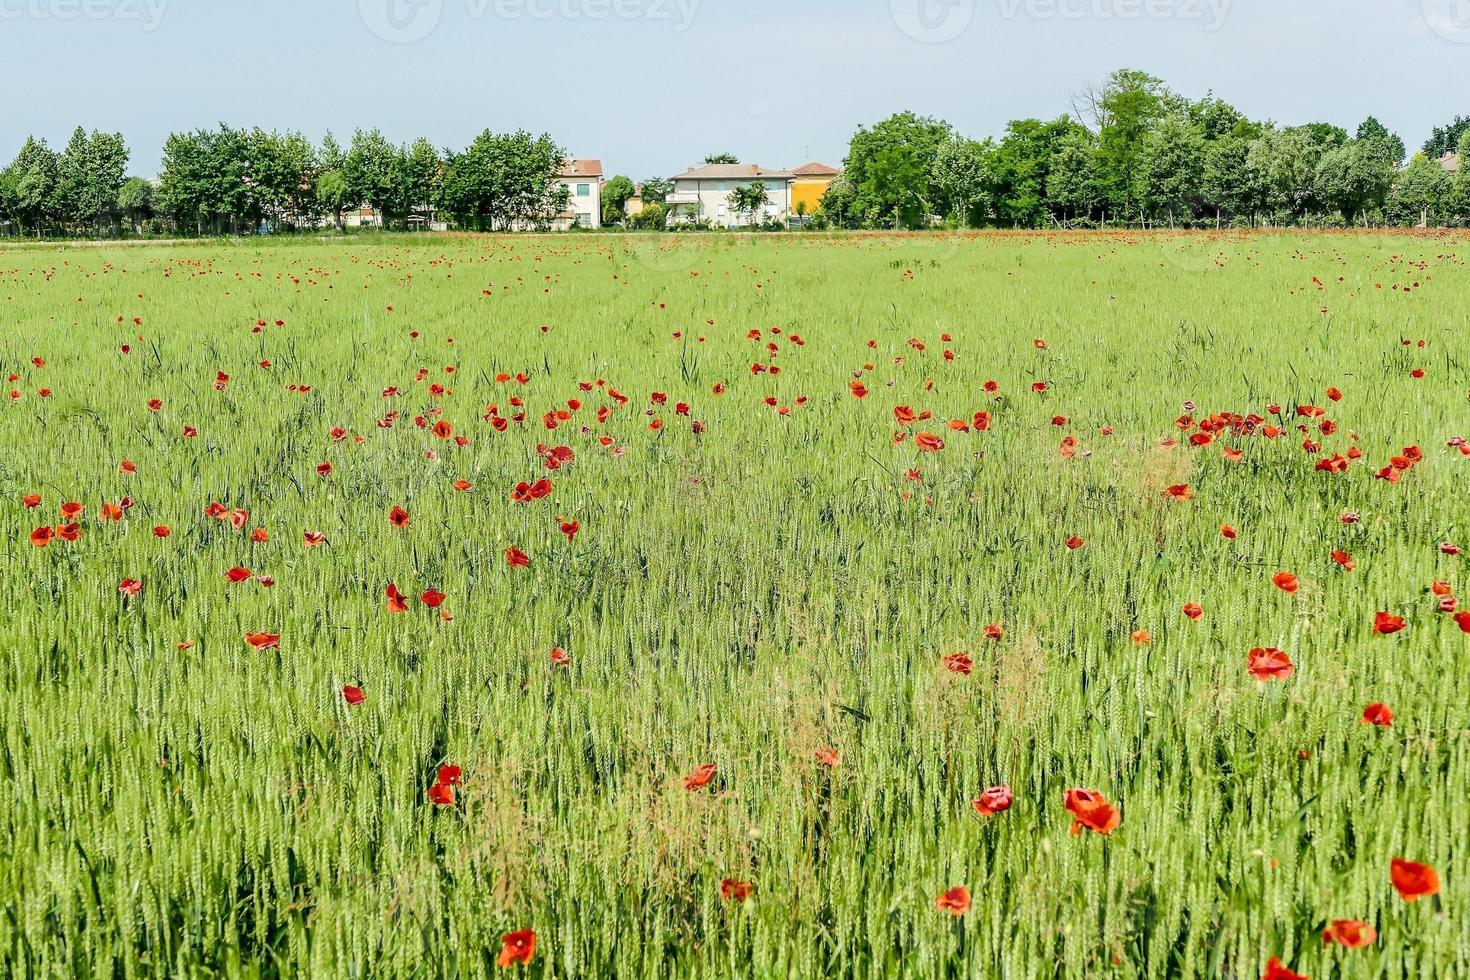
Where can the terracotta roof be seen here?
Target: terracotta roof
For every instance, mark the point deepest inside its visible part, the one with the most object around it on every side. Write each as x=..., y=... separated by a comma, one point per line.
x=730, y=171
x=582, y=168
x=815, y=169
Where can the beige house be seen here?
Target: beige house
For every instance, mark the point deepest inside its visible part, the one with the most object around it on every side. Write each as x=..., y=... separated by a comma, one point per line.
x=1451, y=162
x=703, y=193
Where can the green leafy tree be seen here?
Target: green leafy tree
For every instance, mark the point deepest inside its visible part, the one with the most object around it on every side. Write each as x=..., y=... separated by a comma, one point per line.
x=962, y=179
x=420, y=177
x=1376, y=135
x=1071, y=176
x=333, y=196
x=1354, y=178
x=1132, y=102
x=1446, y=139
x=714, y=158
x=1171, y=165
x=1021, y=165
x=748, y=199
x=838, y=206
x=615, y=195
x=891, y=169
x=656, y=190
x=135, y=198
x=1421, y=195
x=653, y=217
x=1460, y=197
x=371, y=167
x=32, y=183
x=501, y=181
x=90, y=171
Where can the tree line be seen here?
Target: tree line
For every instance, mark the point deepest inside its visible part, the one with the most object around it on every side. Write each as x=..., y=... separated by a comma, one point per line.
x=1130, y=152
x=1134, y=153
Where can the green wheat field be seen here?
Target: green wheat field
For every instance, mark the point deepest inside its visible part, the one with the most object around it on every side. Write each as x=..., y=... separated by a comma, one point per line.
x=305, y=671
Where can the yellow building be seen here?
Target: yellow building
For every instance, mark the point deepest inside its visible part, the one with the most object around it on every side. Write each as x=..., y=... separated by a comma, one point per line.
x=808, y=184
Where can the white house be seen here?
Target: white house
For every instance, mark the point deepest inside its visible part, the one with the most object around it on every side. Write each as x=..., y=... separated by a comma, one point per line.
x=703, y=193
x=583, y=181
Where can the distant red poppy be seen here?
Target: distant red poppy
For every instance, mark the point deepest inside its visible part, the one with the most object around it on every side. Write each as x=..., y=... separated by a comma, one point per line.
x=1286, y=582
x=1345, y=560
x=996, y=799
x=560, y=658
x=130, y=587
x=828, y=757
x=1269, y=664
x=264, y=641
x=956, y=901
x=1378, y=714
x=324, y=469
x=1350, y=933
x=432, y=598
x=1413, y=880
x=353, y=695
x=1276, y=971
x=1091, y=811
x=397, y=602
x=313, y=538
x=1227, y=531
x=700, y=778
x=516, y=558
x=399, y=517
x=1180, y=491
x=441, y=794
x=517, y=947
x=958, y=663
x=1386, y=624
x=1074, y=542
x=1462, y=620
x=928, y=442
x=463, y=486
x=1194, y=610
x=31, y=500
x=735, y=891
x=42, y=536
x=162, y=531
x=449, y=775
x=570, y=529
x=238, y=574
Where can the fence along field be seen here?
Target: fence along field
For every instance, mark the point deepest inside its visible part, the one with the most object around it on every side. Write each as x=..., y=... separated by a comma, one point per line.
x=856, y=560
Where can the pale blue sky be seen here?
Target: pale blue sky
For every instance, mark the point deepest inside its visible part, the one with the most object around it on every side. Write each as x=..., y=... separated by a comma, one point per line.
x=650, y=86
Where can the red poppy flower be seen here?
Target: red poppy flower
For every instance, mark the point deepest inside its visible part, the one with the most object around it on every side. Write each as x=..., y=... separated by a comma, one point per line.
x=1194, y=610
x=958, y=663
x=162, y=531
x=313, y=538
x=31, y=500
x=570, y=529
x=996, y=799
x=1090, y=810
x=735, y=891
x=1378, y=714
x=324, y=469
x=42, y=536
x=700, y=778
x=441, y=794
x=130, y=587
x=1074, y=542
x=928, y=442
x=449, y=775
x=560, y=658
x=1349, y=933
x=1385, y=624
x=353, y=695
x=516, y=558
x=956, y=901
x=70, y=531
x=1462, y=620
x=1413, y=880
x=827, y=756
x=237, y=574
x=72, y=510
x=1345, y=560
x=1227, y=531
x=1276, y=971
x=399, y=517
x=994, y=632
x=1286, y=582
x=1269, y=664
x=1180, y=491
x=432, y=598
x=397, y=602
x=442, y=429
x=264, y=641
x=517, y=947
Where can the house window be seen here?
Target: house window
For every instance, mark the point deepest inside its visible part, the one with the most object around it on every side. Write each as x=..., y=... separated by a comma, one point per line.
x=773, y=185
x=584, y=190
x=720, y=185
